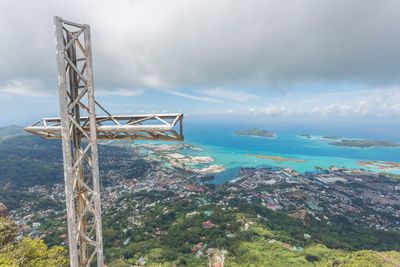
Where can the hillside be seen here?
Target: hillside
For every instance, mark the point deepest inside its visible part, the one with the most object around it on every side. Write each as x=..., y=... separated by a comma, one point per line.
x=177, y=225
x=11, y=130
x=27, y=160
x=181, y=233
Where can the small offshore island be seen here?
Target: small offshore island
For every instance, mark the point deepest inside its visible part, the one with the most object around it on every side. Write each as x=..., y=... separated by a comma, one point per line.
x=335, y=140
x=309, y=136
x=364, y=143
x=276, y=158
x=256, y=132
x=332, y=137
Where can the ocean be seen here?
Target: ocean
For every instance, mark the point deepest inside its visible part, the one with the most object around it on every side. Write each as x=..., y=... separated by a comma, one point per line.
x=218, y=140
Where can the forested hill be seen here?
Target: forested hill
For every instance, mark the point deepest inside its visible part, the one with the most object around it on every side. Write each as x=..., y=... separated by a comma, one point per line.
x=11, y=130
x=28, y=160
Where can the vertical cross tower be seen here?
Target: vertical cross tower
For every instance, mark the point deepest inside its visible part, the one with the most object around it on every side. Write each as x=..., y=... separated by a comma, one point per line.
x=79, y=129
x=81, y=167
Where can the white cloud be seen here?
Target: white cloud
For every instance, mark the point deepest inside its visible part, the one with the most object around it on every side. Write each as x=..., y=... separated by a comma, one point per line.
x=195, y=97
x=236, y=95
x=120, y=92
x=153, y=81
x=170, y=44
x=381, y=102
x=176, y=44
x=395, y=108
x=214, y=95
x=24, y=88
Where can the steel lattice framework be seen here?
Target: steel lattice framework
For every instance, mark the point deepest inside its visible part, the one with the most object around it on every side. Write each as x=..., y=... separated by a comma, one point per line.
x=123, y=127
x=79, y=129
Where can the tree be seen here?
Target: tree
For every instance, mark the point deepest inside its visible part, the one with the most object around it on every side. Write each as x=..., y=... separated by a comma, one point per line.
x=33, y=253
x=8, y=232
x=119, y=263
x=27, y=252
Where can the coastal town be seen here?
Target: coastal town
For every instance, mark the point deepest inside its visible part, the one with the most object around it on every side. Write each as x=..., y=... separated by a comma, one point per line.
x=364, y=198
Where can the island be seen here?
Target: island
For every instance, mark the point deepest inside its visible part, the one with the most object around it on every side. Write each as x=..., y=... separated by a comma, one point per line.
x=276, y=158
x=364, y=143
x=378, y=164
x=332, y=137
x=256, y=132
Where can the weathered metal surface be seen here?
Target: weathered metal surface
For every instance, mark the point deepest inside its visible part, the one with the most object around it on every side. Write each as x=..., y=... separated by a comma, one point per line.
x=66, y=143
x=166, y=127
x=78, y=121
x=81, y=170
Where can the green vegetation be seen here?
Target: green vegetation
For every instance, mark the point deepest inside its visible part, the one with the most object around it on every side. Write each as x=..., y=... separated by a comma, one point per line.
x=8, y=231
x=29, y=160
x=165, y=229
x=389, y=175
x=166, y=238
x=364, y=143
x=252, y=235
x=27, y=252
x=11, y=130
x=256, y=132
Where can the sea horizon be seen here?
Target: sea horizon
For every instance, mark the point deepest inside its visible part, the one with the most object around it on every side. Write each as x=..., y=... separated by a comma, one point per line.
x=219, y=141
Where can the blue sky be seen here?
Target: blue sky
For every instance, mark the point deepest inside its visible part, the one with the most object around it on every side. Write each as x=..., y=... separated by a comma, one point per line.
x=307, y=60
x=344, y=102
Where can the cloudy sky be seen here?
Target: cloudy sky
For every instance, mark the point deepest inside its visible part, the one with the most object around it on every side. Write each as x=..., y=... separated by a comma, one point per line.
x=262, y=58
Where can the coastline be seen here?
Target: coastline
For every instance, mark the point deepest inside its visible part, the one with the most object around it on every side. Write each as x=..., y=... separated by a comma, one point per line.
x=234, y=159
x=276, y=158
x=231, y=152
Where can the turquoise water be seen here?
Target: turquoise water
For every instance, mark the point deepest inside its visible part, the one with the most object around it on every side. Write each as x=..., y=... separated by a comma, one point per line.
x=219, y=141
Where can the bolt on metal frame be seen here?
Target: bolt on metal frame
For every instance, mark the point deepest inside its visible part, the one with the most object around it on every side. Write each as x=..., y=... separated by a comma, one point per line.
x=79, y=129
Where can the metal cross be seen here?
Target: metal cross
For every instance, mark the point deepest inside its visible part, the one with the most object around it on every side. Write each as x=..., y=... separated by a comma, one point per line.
x=79, y=129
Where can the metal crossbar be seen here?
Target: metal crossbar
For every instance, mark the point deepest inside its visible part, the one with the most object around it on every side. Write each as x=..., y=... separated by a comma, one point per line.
x=166, y=127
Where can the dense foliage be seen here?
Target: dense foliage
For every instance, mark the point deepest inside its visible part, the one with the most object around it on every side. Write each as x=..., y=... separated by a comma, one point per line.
x=27, y=161
x=8, y=231
x=27, y=252
x=251, y=234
